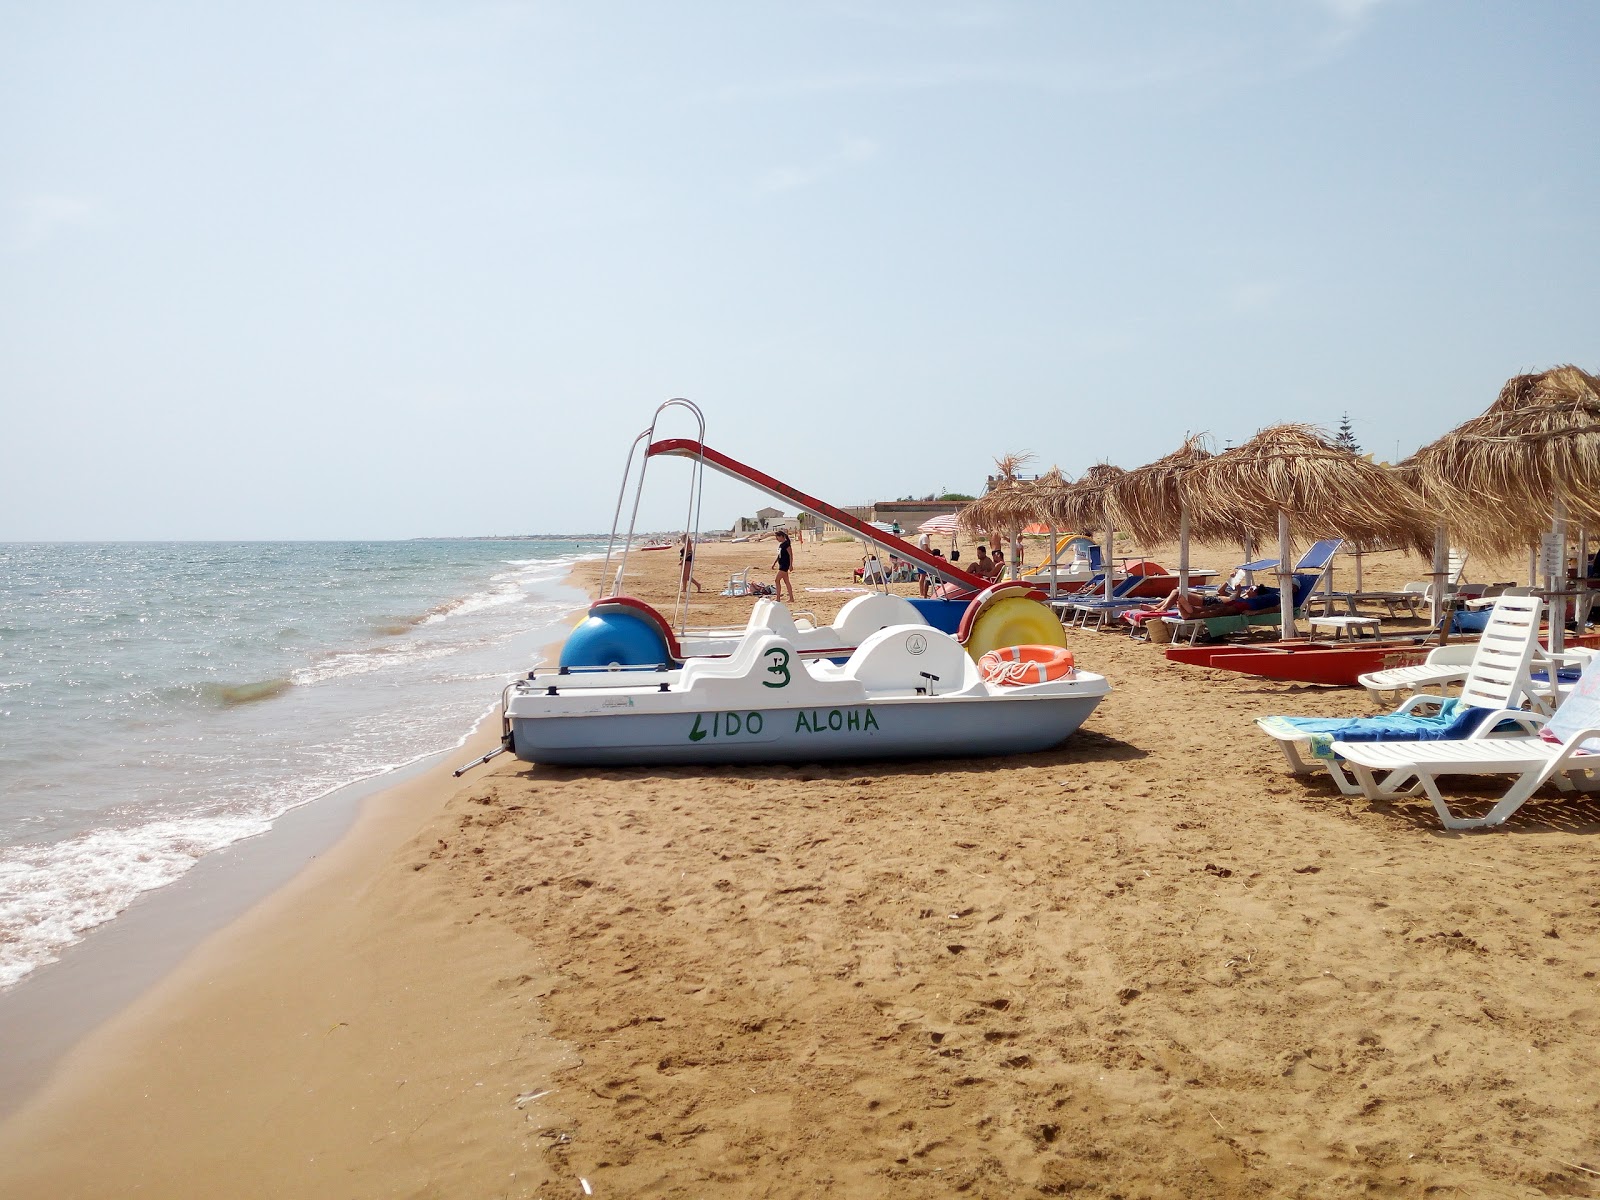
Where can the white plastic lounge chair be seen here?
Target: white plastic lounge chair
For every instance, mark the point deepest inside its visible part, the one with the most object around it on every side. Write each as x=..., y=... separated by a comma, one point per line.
x=1497, y=681
x=1567, y=753
x=1553, y=675
x=1447, y=665
x=1444, y=665
x=1412, y=596
x=738, y=583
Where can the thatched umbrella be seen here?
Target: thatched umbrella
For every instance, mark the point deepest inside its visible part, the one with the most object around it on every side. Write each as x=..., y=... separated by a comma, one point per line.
x=1046, y=493
x=1008, y=505
x=1537, y=447
x=1527, y=465
x=1294, y=470
x=1087, y=504
x=1149, y=504
x=1413, y=474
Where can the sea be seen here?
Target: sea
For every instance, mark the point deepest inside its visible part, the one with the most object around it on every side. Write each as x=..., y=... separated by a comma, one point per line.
x=161, y=701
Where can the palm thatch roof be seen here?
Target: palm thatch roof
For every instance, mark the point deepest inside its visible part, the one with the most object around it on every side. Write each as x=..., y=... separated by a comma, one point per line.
x=1147, y=502
x=1086, y=504
x=1009, y=504
x=1500, y=475
x=1327, y=491
x=1047, y=492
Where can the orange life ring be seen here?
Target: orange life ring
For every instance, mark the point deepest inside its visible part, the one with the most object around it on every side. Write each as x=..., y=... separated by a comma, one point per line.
x=1014, y=666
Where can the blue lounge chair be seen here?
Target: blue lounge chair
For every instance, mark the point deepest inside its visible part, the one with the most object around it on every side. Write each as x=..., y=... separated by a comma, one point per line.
x=1103, y=610
x=1316, y=559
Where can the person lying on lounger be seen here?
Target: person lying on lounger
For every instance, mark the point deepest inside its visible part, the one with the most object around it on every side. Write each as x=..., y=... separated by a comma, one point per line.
x=1228, y=602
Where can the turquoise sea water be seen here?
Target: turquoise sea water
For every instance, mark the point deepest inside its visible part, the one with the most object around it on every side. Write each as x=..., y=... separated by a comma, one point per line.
x=159, y=701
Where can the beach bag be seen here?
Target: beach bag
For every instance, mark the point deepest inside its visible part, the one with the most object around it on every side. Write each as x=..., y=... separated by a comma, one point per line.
x=1160, y=632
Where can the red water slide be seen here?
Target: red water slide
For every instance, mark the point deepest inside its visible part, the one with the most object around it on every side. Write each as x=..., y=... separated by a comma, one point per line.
x=943, y=568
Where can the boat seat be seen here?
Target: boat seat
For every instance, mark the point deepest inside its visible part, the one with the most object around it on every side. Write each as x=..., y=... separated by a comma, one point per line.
x=769, y=615
x=865, y=615
x=902, y=656
x=741, y=664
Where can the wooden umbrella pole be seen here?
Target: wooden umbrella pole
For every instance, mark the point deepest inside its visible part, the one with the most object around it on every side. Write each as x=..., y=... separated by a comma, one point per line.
x=1441, y=557
x=1111, y=560
x=1558, y=579
x=1285, y=578
x=1183, y=549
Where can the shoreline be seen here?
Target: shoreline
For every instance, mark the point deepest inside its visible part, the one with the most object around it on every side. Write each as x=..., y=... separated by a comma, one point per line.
x=1146, y=961
x=301, y=950
x=54, y=1007
x=46, y=1015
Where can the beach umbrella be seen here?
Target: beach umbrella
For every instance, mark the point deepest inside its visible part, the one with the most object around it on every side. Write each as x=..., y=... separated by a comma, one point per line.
x=1087, y=504
x=1008, y=504
x=1148, y=503
x=1529, y=464
x=1295, y=472
x=1536, y=448
x=1046, y=490
x=944, y=523
x=1413, y=475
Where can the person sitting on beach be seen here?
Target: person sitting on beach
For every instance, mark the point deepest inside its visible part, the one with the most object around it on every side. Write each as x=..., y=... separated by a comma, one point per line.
x=983, y=565
x=997, y=565
x=870, y=570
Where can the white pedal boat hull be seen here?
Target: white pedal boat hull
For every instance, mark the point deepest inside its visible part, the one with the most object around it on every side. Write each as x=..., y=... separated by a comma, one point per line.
x=909, y=691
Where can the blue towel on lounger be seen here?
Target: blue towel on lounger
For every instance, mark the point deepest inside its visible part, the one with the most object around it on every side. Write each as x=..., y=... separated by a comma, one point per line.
x=1452, y=723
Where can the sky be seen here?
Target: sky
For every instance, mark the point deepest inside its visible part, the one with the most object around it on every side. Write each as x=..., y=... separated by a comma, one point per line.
x=388, y=270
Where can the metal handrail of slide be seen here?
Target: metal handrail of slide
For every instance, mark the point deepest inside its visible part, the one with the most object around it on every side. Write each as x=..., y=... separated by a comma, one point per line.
x=692, y=518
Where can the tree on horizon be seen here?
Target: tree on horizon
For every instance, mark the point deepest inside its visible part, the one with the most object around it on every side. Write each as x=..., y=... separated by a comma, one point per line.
x=1347, y=436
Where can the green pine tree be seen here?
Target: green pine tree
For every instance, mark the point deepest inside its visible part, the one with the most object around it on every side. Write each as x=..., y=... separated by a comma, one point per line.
x=1347, y=436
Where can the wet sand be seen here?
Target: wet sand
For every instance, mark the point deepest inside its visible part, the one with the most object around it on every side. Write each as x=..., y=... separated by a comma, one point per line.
x=1147, y=963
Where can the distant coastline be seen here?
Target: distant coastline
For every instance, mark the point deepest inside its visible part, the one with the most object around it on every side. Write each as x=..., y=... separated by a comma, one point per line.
x=543, y=537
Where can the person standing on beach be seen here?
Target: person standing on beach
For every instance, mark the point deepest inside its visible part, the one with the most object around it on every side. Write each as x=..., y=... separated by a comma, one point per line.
x=686, y=557
x=783, y=564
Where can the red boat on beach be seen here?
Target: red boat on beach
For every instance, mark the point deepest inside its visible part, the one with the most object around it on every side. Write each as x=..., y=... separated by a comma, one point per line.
x=1338, y=664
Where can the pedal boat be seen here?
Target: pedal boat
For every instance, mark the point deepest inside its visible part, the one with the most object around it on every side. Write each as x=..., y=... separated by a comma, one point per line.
x=908, y=691
x=631, y=632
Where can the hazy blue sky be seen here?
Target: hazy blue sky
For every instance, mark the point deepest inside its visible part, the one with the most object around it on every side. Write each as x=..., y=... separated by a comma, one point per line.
x=393, y=269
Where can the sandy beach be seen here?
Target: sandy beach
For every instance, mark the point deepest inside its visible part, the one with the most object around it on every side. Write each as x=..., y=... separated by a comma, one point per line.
x=1148, y=963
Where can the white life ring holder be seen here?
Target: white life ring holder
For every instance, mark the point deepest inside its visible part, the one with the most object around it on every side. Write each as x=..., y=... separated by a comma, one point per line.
x=1016, y=666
